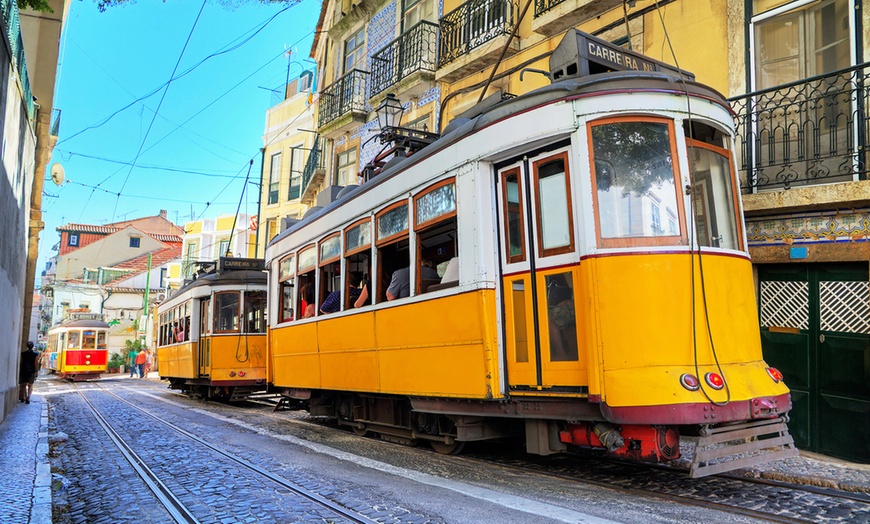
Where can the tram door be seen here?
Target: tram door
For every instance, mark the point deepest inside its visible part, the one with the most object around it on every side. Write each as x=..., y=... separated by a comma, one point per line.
x=204, y=338
x=539, y=281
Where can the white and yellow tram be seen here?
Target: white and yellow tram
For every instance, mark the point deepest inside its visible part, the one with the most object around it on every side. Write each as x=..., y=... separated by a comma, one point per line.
x=594, y=287
x=77, y=348
x=211, y=334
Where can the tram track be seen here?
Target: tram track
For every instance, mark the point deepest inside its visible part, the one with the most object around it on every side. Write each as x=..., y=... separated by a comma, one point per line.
x=174, y=506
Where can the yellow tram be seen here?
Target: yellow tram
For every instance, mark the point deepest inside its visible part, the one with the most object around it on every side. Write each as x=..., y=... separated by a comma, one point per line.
x=77, y=348
x=211, y=334
x=592, y=285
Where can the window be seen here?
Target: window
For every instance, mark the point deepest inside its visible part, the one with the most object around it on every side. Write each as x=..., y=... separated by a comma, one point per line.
x=553, y=200
x=437, y=242
x=634, y=171
x=358, y=261
x=354, y=52
x=73, y=239
x=101, y=340
x=223, y=246
x=391, y=226
x=416, y=11
x=656, y=218
x=297, y=166
x=330, y=275
x=134, y=241
x=226, y=318
x=271, y=229
x=164, y=273
x=561, y=318
x=512, y=194
x=89, y=339
x=346, y=171
x=255, y=311
x=714, y=197
x=286, y=272
x=274, y=177
x=806, y=41
x=305, y=271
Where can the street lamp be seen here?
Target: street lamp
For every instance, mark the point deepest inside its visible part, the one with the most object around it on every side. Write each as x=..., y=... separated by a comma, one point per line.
x=390, y=112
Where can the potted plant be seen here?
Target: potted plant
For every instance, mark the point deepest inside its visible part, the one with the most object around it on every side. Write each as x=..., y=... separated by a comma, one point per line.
x=115, y=363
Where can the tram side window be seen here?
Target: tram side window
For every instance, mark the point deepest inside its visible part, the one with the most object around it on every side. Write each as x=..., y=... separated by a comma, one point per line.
x=555, y=221
x=186, y=318
x=329, y=300
x=358, y=261
x=286, y=272
x=635, y=182
x=226, y=305
x=255, y=311
x=394, y=256
x=306, y=273
x=435, y=222
x=89, y=339
x=513, y=216
x=74, y=340
x=101, y=340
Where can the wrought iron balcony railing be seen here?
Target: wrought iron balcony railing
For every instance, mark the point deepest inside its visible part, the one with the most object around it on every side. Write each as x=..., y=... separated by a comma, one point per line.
x=348, y=93
x=542, y=6
x=314, y=162
x=12, y=27
x=471, y=25
x=415, y=50
x=809, y=132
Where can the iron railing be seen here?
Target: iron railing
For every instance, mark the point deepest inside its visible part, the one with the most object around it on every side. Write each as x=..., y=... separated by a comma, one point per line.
x=296, y=190
x=314, y=162
x=471, y=25
x=415, y=50
x=542, y=6
x=348, y=93
x=809, y=132
x=12, y=28
x=55, y=122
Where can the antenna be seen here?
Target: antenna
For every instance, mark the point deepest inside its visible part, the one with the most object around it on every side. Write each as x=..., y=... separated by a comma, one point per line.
x=57, y=174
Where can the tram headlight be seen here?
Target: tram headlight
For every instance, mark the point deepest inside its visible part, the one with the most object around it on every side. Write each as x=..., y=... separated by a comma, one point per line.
x=689, y=382
x=714, y=380
x=775, y=374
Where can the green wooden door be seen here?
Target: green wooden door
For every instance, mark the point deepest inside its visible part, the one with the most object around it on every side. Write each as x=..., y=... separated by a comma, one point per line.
x=815, y=327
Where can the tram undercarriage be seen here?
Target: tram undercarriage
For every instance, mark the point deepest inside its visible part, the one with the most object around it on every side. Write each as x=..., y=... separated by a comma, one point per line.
x=206, y=390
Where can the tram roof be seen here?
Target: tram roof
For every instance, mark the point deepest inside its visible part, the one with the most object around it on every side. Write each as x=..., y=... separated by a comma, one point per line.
x=227, y=277
x=625, y=82
x=82, y=324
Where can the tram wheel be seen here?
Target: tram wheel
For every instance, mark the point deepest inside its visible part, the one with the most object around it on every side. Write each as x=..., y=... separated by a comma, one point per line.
x=363, y=431
x=441, y=448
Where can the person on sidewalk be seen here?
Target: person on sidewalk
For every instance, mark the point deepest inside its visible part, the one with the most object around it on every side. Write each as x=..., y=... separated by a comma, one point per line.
x=141, y=358
x=131, y=361
x=27, y=372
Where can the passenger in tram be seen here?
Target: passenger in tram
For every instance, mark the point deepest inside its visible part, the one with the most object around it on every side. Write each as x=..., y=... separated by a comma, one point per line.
x=400, y=283
x=308, y=310
x=332, y=303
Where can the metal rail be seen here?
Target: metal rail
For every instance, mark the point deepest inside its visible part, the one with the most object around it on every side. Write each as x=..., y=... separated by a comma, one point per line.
x=173, y=505
x=295, y=488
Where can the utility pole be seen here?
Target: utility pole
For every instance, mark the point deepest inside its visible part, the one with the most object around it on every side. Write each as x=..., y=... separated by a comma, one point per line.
x=145, y=312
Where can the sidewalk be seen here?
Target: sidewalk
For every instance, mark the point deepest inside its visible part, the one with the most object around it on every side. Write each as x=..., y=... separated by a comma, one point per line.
x=25, y=482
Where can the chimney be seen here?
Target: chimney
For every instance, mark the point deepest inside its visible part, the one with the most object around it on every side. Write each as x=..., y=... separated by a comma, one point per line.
x=162, y=213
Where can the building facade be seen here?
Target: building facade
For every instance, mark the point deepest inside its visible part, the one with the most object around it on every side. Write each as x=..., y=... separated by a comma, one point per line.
x=208, y=239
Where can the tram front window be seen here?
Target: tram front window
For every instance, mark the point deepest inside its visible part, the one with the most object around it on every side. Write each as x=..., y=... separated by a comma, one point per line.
x=89, y=340
x=226, y=312
x=713, y=198
x=74, y=337
x=635, y=183
x=255, y=311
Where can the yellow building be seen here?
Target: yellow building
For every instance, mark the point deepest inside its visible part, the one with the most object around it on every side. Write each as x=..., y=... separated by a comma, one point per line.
x=208, y=239
x=291, y=156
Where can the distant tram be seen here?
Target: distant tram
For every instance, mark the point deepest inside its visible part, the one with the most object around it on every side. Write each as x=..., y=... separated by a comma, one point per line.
x=78, y=348
x=211, y=334
x=576, y=274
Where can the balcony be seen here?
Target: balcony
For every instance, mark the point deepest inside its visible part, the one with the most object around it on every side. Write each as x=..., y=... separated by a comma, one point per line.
x=342, y=104
x=313, y=174
x=412, y=56
x=11, y=24
x=468, y=27
x=554, y=17
x=806, y=133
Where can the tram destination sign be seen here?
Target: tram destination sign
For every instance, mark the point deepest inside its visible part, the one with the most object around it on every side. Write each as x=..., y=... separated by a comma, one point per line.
x=581, y=54
x=241, y=264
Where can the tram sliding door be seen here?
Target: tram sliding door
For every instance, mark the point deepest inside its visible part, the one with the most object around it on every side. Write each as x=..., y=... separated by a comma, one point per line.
x=540, y=281
x=204, y=338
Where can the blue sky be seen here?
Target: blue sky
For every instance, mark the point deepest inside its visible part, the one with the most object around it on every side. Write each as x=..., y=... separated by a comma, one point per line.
x=210, y=121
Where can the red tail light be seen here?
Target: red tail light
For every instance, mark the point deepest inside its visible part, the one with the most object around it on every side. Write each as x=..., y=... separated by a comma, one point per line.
x=774, y=374
x=689, y=382
x=714, y=380
x=241, y=373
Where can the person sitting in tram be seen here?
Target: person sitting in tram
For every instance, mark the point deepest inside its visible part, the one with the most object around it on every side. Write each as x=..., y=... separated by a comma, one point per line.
x=332, y=303
x=400, y=283
x=308, y=310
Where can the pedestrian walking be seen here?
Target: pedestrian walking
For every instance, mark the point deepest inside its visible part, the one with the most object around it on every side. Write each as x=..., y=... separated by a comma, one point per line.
x=140, y=363
x=149, y=361
x=27, y=373
x=131, y=361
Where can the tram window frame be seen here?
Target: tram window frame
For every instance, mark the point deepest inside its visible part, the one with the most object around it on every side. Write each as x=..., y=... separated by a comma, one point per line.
x=306, y=275
x=287, y=286
x=89, y=339
x=521, y=222
x=436, y=226
x=360, y=254
x=735, y=193
x=639, y=241
x=389, y=249
x=218, y=306
x=329, y=269
x=77, y=337
x=569, y=202
x=255, y=302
